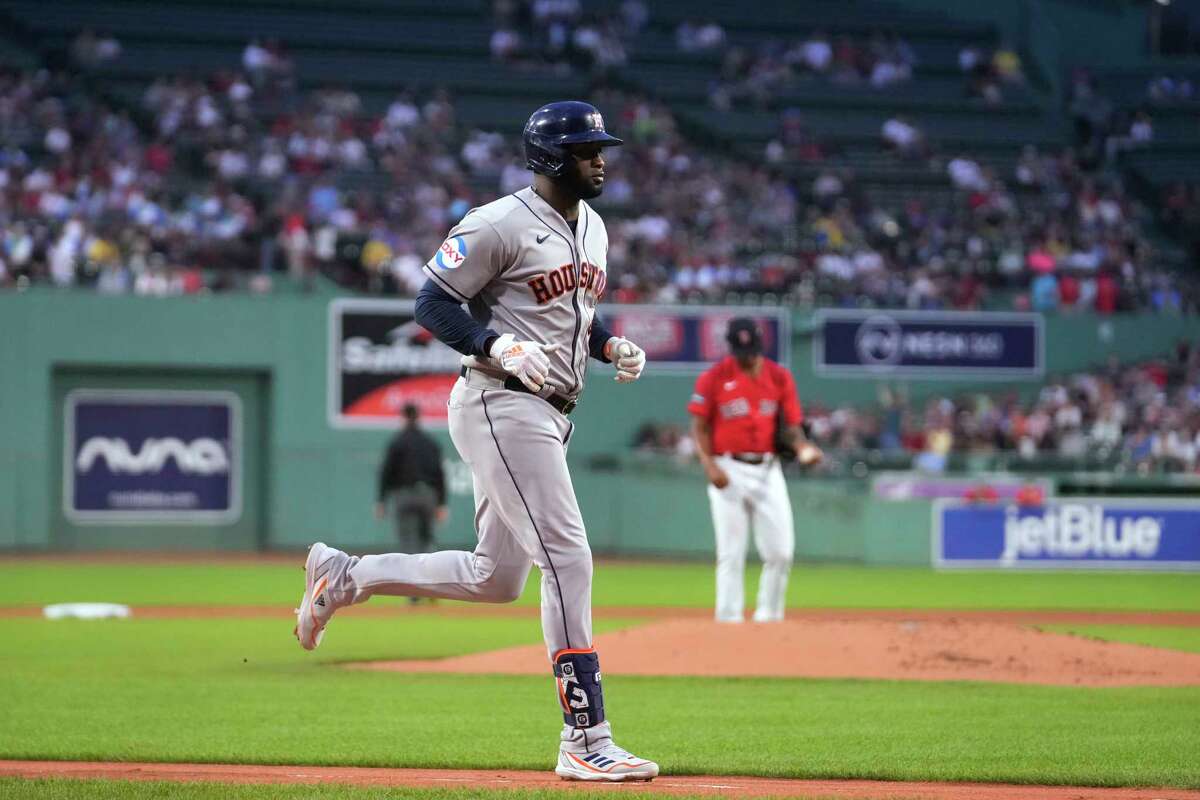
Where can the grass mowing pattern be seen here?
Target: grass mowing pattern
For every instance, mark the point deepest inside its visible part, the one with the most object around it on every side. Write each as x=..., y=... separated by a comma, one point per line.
x=625, y=584
x=241, y=690
x=61, y=789
x=1168, y=636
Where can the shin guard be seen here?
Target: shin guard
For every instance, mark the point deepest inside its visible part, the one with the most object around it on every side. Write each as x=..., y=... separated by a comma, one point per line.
x=578, y=676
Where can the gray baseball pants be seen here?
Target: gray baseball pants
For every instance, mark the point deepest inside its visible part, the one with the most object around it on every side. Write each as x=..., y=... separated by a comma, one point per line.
x=525, y=514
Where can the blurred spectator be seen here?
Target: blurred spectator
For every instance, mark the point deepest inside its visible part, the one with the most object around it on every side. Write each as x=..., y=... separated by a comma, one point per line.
x=665, y=439
x=988, y=73
x=90, y=50
x=1139, y=133
x=1007, y=64
x=816, y=53
x=1092, y=115
x=505, y=44
x=698, y=36
x=1170, y=89
x=966, y=174
x=892, y=61
x=902, y=136
x=634, y=16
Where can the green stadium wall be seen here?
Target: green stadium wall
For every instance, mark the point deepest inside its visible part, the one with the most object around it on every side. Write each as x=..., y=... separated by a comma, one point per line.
x=305, y=480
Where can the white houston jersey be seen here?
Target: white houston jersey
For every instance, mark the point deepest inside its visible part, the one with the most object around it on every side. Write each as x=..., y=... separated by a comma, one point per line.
x=521, y=270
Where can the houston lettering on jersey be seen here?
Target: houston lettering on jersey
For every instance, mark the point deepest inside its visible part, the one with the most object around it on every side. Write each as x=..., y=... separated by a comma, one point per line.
x=557, y=282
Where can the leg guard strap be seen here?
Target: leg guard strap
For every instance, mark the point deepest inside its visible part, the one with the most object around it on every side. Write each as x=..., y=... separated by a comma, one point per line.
x=579, y=691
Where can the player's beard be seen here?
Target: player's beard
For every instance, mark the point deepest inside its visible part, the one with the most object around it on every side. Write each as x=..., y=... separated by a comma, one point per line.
x=581, y=187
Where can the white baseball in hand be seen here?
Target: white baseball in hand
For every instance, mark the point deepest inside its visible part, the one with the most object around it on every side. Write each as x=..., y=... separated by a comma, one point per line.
x=809, y=454
x=629, y=359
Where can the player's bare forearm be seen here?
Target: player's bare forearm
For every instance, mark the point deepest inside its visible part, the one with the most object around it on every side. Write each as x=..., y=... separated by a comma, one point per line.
x=795, y=435
x=702, y=434
x=807, y=453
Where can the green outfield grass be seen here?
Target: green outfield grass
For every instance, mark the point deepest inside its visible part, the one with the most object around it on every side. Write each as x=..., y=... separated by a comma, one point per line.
x=241, y=690
x=624, y=584
x=153, y=790
x=1170, y=637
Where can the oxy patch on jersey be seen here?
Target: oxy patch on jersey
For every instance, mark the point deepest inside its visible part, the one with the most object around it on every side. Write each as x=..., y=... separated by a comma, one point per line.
x=452, y=253
x=557, y=282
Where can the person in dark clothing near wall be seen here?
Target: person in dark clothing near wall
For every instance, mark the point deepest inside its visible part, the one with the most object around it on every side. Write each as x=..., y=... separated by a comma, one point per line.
x=411, y=476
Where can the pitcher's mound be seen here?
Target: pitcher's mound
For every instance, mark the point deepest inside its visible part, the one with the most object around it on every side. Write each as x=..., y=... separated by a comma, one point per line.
x=925, y=650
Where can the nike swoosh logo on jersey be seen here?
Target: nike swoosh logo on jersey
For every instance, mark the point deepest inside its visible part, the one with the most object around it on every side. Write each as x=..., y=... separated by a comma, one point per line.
x=541, y=239
x=730, y=385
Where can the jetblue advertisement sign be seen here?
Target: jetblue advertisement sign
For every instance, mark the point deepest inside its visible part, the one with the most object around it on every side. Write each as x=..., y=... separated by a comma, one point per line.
x=1088, y=533
x=152, y=457
x=916, y=344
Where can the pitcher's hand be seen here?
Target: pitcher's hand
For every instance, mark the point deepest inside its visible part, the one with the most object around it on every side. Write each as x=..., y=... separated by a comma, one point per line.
x=808, y=455
x=717, y=476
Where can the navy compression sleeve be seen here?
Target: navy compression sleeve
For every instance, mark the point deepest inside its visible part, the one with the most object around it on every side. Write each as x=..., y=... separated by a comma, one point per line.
x=598, y=336
x=443, y=316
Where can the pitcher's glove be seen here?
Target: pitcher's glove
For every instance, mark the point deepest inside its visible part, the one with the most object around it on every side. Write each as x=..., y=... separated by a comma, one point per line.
x=525, y=360
x=627, y=357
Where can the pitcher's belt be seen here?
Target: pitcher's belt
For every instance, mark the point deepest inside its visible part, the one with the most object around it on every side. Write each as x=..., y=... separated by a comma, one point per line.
x=749, y=458
x=560, y=403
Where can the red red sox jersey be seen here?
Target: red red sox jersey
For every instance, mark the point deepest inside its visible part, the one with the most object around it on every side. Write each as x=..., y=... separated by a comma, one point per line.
x=521, y=270
x=741, y=408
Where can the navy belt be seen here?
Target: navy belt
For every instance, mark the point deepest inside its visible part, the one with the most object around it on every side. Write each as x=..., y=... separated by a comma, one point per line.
x=560, y=403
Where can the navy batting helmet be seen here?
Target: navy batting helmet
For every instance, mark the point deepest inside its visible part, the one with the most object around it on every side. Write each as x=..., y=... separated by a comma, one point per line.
x=554, y=126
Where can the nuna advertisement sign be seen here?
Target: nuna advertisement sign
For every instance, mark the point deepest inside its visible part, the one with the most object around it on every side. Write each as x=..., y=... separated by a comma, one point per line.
x=151, y=456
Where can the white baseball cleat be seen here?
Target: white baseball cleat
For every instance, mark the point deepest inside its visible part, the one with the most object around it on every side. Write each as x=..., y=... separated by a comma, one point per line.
x=605, y=763
x=323, y=566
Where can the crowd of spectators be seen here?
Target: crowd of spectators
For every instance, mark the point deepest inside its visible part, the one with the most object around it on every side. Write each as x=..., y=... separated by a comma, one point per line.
x=699, y=36
x=1103, y=131
x=1048, y=232
x=559, y=35
x=1050, y=236
x=1180, y=214
x=1170, y=89
x=245, y=169
x=1145, y=416
x=664, y=439
x=990, y=71
x=757, y=75
x=90, y=48
x=299, y=154
x=84, y=197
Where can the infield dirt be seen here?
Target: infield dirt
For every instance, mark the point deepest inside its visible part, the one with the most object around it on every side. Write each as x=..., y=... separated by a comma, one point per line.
x=926, y=649
x=725, y=786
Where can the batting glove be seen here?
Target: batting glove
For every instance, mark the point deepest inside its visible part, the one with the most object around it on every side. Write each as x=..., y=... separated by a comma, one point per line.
x=525, y=360
x=628, y=358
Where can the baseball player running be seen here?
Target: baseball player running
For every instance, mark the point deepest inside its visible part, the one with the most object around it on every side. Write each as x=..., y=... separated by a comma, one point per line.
x=530, y=268
x=735, y=411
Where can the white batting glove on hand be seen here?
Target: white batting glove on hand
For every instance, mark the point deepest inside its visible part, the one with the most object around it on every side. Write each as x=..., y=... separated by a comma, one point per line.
x=627, y=357
x=526, y=360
